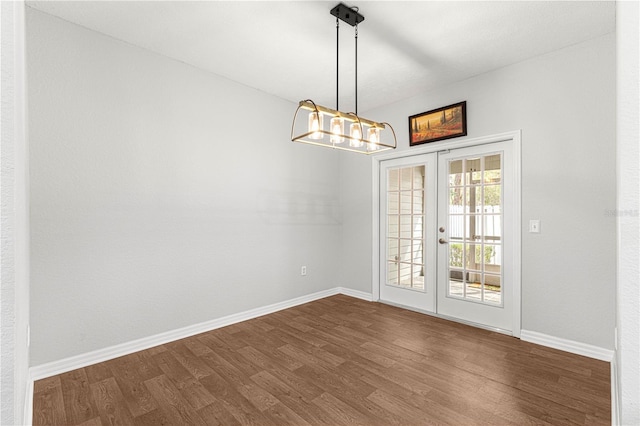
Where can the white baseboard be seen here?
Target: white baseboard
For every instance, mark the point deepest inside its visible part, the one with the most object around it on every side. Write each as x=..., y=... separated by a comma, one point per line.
x=571, y=346
x=615, y=396
x=101, y=355
x=355, y=293
x=27, y=414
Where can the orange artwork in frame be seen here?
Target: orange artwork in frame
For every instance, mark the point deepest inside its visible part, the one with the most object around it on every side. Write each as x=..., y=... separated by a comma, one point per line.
x=438, y=124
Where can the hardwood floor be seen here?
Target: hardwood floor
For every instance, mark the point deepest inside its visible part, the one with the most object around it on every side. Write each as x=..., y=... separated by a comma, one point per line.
x=335, y=361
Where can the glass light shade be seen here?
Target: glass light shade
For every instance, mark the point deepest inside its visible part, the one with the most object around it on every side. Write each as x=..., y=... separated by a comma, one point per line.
x=356, y=135
x=337, y=130
x=315, y=125
x=374, y=137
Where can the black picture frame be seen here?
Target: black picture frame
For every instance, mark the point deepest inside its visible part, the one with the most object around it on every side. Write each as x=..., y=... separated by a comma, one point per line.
x=438, y=124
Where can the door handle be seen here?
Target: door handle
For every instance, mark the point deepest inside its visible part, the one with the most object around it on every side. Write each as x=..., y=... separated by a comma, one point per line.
x=443, y=241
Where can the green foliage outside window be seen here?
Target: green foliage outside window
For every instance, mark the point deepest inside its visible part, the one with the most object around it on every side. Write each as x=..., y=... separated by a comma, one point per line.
x=455, y=255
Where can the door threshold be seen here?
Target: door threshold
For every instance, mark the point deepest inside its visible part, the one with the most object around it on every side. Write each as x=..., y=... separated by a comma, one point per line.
x=448, y=318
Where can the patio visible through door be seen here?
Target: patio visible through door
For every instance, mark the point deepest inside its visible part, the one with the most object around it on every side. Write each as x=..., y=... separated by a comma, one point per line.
x=447, y=227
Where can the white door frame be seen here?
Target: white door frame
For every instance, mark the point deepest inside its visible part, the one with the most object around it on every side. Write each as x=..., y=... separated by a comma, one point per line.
x=514, y=138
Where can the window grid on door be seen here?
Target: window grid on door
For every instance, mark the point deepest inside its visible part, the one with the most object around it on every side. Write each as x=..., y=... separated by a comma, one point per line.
x=475, y=229
x=405, y=233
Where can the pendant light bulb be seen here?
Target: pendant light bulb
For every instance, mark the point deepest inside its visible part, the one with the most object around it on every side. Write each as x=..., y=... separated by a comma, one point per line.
x=337, y=130
x=374, y=137
x=356, y=135
x=315, y=125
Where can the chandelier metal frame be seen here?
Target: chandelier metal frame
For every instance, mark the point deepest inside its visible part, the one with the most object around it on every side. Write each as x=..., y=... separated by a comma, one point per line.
x=364, y=136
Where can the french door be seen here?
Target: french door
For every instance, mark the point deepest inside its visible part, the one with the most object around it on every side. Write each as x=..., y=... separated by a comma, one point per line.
x=408, y=263
x=447, y=234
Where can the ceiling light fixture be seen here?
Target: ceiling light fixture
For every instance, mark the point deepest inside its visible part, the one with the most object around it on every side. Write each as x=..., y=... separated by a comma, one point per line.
x=341, y=130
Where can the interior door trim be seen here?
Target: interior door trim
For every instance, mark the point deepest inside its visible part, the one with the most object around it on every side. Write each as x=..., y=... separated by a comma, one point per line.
x=513, y=137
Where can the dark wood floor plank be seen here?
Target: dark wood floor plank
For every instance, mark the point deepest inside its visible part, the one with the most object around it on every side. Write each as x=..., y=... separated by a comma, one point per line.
x=291, y=398
x=48, y=403
x=189, y=360
x=110, y=403
x=98, y=372
x=153, y=418
x=93, y=422
x=308, y=389
x=171, y=403
x=350, y=390
x=131, y=383
x=233, y=401
x=156, y=350
x=188, y=386
x=340, y=412
x=78, y=401
x=283, y=415
x=215, y=414
x=334, y=361
x=260, y=398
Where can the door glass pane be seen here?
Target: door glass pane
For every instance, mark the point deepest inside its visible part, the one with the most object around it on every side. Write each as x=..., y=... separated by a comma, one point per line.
x=492, y=289
x=405, y=226
x=473, y=286
x=472, y=170
x=456, y=177
x=492, y=228
x=405, y=202
x=492, y=198
x=405, y=274
x=416, y=252
x=456, y=258
x=418, y=205
x=392, y=226
x=473, y=257
x=475, y=229
x=405, y=250
x=392, y=203
x=457, y=200
x=456, y=227
x=405, y=230
x=392, y=273
x=393, y=180
x=392, y=249
x=493, y=168
x=406, y=175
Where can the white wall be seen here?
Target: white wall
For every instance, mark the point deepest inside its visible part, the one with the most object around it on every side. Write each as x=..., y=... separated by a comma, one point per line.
x=628, y=288
x=162, y=196
x=14, y=229
x=564, y=102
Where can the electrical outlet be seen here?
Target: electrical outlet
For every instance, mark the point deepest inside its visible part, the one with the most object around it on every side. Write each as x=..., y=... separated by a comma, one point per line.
x=303, y=271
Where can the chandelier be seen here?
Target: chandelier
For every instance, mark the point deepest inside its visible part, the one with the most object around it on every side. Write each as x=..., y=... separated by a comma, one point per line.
x=318, y=125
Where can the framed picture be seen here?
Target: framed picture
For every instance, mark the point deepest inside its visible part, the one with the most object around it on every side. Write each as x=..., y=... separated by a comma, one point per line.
x=438, y=124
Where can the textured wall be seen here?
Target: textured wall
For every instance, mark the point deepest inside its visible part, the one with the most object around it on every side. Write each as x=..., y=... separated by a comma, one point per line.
x=628, y=291
x=14, y=230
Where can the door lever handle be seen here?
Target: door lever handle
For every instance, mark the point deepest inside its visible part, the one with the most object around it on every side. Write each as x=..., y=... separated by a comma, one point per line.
x=442, y=241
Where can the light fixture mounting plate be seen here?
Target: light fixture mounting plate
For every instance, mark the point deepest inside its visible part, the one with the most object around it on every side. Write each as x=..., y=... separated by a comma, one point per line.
x=347, y=14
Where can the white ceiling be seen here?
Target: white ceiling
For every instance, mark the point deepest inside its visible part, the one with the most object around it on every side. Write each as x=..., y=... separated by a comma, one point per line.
x=288, y=48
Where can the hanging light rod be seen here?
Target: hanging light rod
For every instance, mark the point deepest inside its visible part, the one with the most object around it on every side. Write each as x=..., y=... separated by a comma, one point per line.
x=364, y=136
